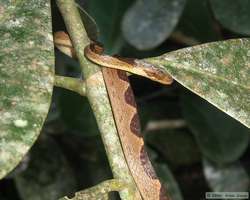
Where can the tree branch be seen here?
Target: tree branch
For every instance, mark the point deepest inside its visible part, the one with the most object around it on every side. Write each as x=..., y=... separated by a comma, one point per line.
x=72, y=84
x=98, y=98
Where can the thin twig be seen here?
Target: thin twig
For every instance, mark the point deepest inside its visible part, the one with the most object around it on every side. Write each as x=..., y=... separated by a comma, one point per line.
x=72, y=84
x=184, y=39
x=165, y=124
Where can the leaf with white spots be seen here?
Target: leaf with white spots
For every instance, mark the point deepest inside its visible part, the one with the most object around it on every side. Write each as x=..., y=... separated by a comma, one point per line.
x=26, y=76
x=218, y=72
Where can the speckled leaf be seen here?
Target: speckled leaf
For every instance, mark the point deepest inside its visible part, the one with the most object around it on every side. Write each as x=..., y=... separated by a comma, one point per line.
x=26, y=76
x=148, y=23
x=227, y=178
x=218, y=72
x=48, y=176
x=233, y=15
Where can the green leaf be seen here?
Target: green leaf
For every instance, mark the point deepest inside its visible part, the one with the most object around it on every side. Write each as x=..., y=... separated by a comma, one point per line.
x=233, y=15
x=197, y=22
x=78, y=116
x=48, y=175
x=221, y=138
x=89, y=24
x=108, y=15
x=218, y=72
x=157, y=110
x=148, y=23
x=87, y=157
x=168, y=143
x=26, y=76
x=226, y=178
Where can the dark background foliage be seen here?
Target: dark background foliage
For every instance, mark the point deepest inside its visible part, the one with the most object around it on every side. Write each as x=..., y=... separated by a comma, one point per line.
x=195, y=148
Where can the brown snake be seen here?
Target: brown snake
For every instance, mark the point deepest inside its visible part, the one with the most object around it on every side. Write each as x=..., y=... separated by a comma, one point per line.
x=127, y=121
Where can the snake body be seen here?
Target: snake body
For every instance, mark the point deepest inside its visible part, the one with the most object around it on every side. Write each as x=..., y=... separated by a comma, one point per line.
x=94, y=53
x=126, y=116
x=128, y=127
